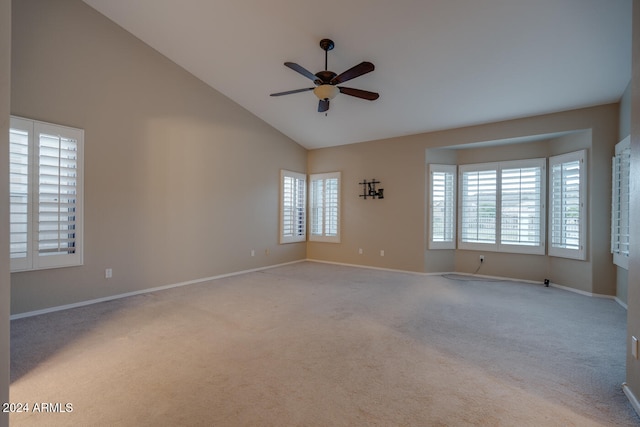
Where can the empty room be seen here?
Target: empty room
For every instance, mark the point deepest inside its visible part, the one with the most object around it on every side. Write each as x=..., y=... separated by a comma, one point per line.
x=315, y=214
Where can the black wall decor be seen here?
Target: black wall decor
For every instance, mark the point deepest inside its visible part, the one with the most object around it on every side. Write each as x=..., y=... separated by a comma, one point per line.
x=369, y=189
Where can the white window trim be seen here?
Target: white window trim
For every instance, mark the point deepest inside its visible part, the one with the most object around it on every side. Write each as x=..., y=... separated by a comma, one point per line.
x=556, y=251
x=301, y=222
x=462, y=244
x=323, y=237
x=620, y=185
x=25, y=263
x=540, y=248
x=34, y=261
x=449, y=170
x=497, y=246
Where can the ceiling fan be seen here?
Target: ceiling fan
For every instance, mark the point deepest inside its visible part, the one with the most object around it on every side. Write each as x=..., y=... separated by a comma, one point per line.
x=326, y=81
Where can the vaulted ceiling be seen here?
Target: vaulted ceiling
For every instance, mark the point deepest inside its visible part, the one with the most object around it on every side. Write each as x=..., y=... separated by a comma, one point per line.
x=439, y=64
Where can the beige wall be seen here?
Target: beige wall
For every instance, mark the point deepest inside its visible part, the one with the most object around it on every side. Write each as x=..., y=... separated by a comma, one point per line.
x=181, y=183
x=161, y=147
x=394, y=224
x=5, y=83
x=633, y=312
x=529, y=267
x=397, y=223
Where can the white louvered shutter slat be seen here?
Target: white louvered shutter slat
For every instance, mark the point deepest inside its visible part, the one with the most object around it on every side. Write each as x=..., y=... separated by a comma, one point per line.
x=442, y=206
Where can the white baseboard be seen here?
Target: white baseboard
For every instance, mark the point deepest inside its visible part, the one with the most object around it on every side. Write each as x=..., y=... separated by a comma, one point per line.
x=589, y=294
x=622, y=303
x=374, y=268
x=554, y=285
x=236, y=273
x=576, y=291
x=143, y=291
x=511, y=279
x=632, y=398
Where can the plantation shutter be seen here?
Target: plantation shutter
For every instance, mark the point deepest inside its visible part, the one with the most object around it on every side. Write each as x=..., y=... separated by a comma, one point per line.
x=442, y=206
x=331, y=207
x=567, y=213
x=58, y=197
x=317, y=206
x=479, y=203
x=19, y=201
x=621, y=167
x=522, y=207
x=293, y=209
x=325, y=207
x=45, y=195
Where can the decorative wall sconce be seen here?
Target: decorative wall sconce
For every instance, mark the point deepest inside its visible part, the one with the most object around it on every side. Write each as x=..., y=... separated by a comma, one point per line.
x=369, y=189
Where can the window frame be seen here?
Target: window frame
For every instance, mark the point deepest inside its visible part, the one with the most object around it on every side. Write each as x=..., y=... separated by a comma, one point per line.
x=36, y=255
x=463, y=243
x=498, y=244
x=540, y=247
x=450, y=206
x=559, y=251
x=297, y=218
x=315, y=208
x=620, y=203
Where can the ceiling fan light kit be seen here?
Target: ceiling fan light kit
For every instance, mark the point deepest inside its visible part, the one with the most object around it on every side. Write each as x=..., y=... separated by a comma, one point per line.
x=326, y=81
x=326, y=91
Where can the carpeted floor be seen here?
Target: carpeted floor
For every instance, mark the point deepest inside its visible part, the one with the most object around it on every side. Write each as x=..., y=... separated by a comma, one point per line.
x=314, y=344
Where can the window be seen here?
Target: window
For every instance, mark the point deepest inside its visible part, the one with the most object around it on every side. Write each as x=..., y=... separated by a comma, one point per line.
x=522, y=212
x=502, y=206
x=567, y=214
x=324, y=201
x=46, y=162
x=442, y=206
x=478, y=205
x=293, y=208
x=620, y=193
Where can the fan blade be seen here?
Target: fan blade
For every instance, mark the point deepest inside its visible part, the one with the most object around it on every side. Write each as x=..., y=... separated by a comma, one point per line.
x=323, y=105
x=358, y=93
x=289, y=92
x=353, y=72
x=300, y=69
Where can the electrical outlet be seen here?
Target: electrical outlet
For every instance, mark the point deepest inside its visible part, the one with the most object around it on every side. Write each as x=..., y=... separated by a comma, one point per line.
x=381, y=252
x=108, y=273
x=481, y=258
x=253, y=252
x=360, y=251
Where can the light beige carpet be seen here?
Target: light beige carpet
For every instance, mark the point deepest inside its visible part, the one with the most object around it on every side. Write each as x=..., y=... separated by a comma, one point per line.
x=322, y=345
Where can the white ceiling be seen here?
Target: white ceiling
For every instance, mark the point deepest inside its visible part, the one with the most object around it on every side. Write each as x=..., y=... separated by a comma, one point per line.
x=440, y=64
